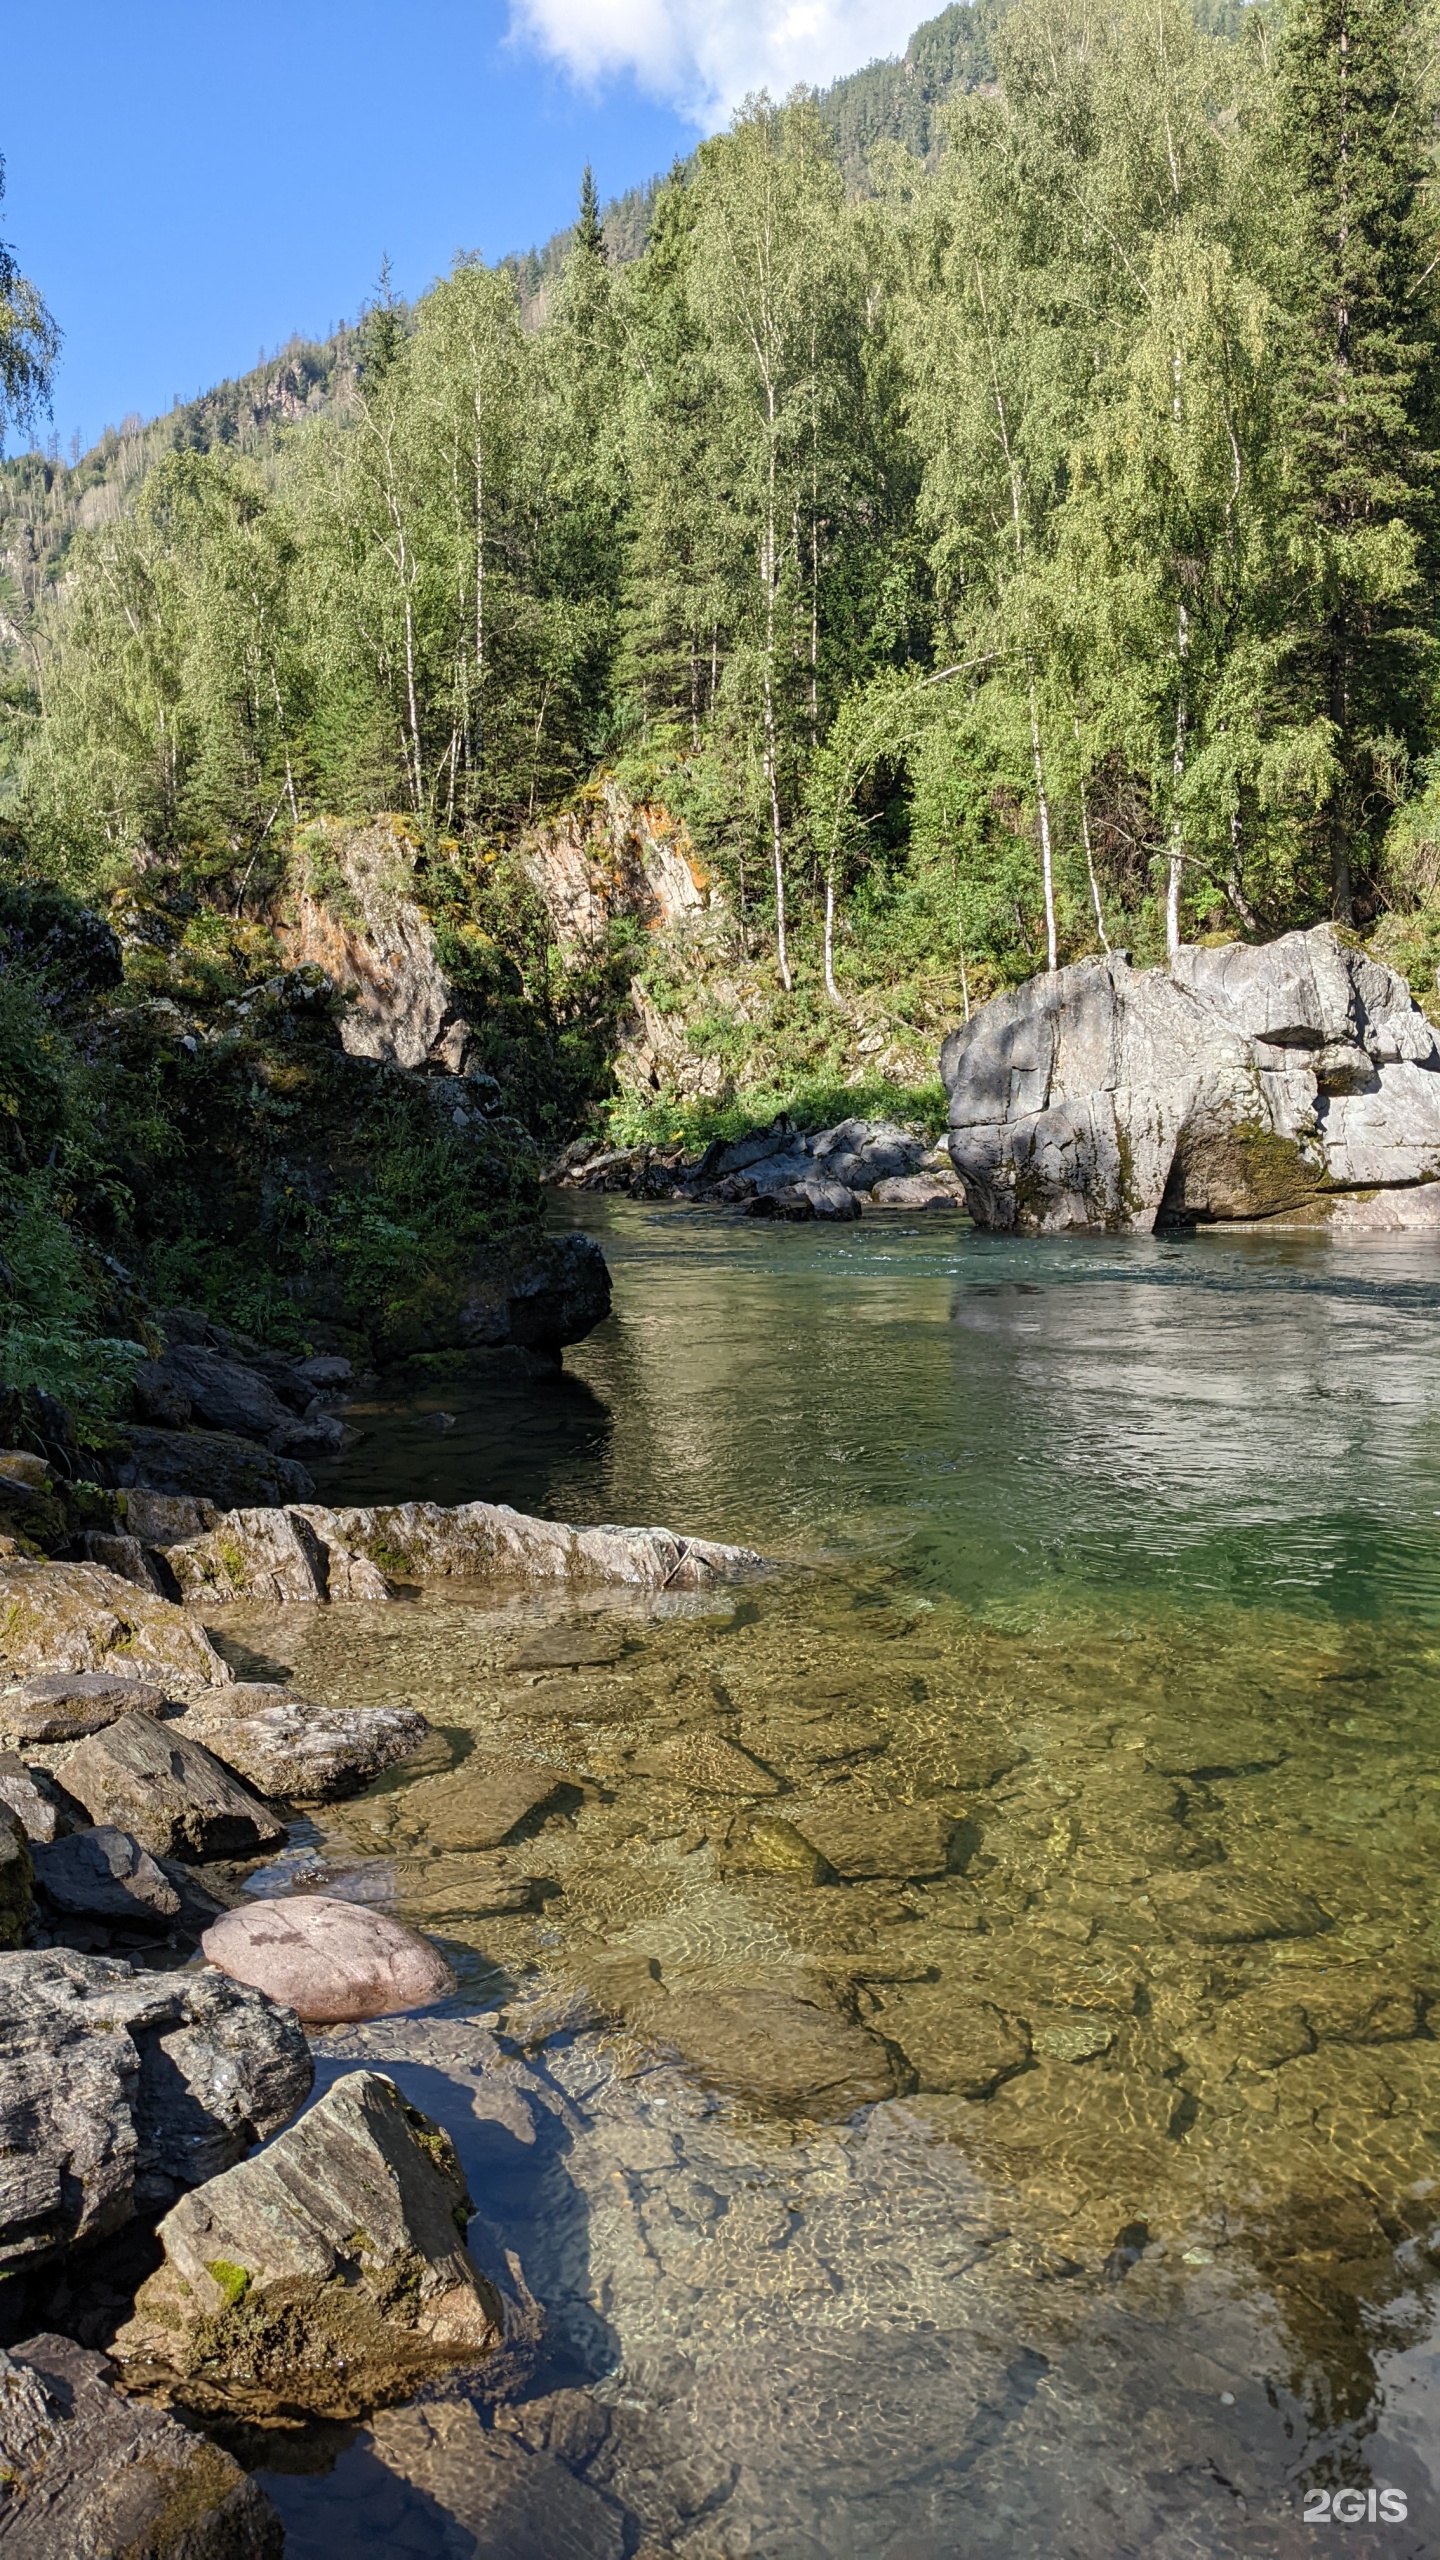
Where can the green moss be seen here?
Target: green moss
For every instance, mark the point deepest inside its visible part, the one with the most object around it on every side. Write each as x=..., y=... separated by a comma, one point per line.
x=234, y=2282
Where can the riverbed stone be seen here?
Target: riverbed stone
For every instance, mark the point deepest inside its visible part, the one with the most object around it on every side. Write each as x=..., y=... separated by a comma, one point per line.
x=956, y=2043
x=322, y=2279
x=512, y=2497
x=104, y=1874
x=64, y=1706
x=692, y=1757
x=570, y=1648
x=857, y=1838
x=87, y=2473
x=78, y=1617
x=117, y=2088
x=1219, y=1906
x=173, y=1794
x=327, y=1959
x=788, y=2056
x=479, y=1804
x=293, y=1748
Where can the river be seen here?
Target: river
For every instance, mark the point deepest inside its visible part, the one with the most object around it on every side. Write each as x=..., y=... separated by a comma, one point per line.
x=1117, y=1560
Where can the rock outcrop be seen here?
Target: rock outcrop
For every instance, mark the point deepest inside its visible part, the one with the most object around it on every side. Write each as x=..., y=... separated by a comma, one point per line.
x=781, y=1171
x=119, y=2088
x=409, y=1542
x=331, y=1962
x=78, y=1617
x=1248, y=1082
x=88, y=2474
x=324, y=2278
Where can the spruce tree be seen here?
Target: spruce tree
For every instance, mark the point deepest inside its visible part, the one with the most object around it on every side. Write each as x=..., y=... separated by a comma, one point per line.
x=589, y=230
x=1352, y=124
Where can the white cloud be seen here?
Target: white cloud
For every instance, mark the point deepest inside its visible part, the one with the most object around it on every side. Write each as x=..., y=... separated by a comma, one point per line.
x=702, y=56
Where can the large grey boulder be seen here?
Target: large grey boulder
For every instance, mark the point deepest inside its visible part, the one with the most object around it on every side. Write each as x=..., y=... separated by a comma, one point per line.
x=324, y=2278
x=77, y=1617
x=1246, y=1082
x=118, y=2088
x=87, y=2474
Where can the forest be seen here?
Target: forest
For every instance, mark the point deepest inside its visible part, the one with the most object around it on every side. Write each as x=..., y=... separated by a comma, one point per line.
x=998, y=542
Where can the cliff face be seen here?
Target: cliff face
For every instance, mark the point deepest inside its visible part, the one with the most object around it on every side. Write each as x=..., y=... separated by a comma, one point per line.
x=1249, y=1082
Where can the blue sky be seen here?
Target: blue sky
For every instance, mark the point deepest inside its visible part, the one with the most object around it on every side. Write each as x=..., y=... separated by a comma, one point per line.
x=188, y=183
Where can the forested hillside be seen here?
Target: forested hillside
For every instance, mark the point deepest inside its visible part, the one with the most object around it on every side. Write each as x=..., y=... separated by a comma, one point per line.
x=1030, y=548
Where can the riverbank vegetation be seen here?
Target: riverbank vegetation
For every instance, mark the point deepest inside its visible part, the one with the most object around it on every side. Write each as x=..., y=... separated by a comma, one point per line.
x=999, y=521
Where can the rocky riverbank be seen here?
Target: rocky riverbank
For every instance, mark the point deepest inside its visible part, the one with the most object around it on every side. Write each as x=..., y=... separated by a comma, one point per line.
x=778, y=1172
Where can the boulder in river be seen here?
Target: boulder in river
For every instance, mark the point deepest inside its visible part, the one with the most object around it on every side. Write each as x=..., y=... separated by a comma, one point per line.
x=78, y=1617
x=291, y=1747
x=87, y=2473
x=272, y=1555
x=329, y=1961
x=1244, y=1082
x=322, y=2279
x=119, y=2087
x=211, y=1467
x=173, y=1794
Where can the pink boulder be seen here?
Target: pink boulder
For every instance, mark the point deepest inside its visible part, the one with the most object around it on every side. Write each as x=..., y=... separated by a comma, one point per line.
x=328, y=1961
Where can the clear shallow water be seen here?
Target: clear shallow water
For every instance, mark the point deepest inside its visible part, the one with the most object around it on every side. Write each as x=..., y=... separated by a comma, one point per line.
x=1119, y=1560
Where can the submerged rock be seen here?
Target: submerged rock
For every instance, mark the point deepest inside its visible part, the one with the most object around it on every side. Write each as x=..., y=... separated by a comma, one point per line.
x=1242, y=1083
x=1220, y=1906
x=694, y=1758
x=783, y=2054
x=513, y=2497
x=288, y=1746
x=966, y=2046
x=173, y=1794
x=328, y=1960
x=119, y=2087
x=89, y=2474
x=860, y=1839
x=78, y=1617
x=324, y=2278
x=479, y=1804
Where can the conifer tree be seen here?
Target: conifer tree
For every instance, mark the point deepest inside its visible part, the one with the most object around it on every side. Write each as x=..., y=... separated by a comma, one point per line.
x=1352, y=136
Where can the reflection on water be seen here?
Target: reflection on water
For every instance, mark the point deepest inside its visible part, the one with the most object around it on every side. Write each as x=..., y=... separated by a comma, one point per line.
x=1079, y=1804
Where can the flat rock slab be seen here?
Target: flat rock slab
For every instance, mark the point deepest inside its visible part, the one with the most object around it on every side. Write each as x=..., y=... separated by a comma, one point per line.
x=104, y=1874
x=513, y=2498
x=64, y=1706
x=293, y=1748
x=693, y=1758
x=87, y=2474
x=78, y=1617
x=784, y=2055
x=858, y=1839
x=570, y=1649
x=1215, y=1750
x=173, y=1794
x=479, y=1804
x=955, y=2044
x=328, y=1960
x=118, y=2088
x=324, y=2278
x=487, y=1541
x=1217, y=1907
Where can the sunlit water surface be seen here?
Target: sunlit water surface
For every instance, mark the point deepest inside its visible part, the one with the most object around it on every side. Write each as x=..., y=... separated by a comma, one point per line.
x=1118, y=1561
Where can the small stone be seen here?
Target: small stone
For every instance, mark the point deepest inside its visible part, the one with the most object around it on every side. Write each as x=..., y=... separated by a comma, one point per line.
x=957, y=2044
x=64, y=1706
x=104, y=1874
x=859, y=1839
x=785, y=2055
x=177, y=1799
x=330, y=1961
x=480, y=1803
x=772, y=1846
x=324, y=2278
x=694, y=1758
x=87, y=2473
